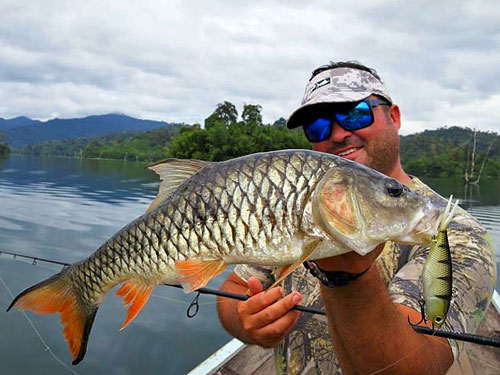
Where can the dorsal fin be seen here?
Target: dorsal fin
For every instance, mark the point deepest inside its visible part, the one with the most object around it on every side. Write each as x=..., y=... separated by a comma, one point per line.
x=173, y=172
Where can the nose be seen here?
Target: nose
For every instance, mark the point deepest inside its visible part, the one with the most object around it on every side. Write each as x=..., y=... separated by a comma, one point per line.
x=338, y=133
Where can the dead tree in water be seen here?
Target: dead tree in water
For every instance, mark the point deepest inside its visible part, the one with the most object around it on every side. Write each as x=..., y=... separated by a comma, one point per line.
x=471, y=160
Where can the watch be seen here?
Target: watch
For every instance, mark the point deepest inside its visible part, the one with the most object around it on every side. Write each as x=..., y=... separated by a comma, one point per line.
x=332, y=279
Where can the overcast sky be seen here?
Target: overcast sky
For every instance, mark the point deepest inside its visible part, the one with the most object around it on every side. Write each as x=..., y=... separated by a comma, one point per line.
x=174, y=60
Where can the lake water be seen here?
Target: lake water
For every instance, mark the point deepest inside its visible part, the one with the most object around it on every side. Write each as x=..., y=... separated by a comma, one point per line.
x=63, y=209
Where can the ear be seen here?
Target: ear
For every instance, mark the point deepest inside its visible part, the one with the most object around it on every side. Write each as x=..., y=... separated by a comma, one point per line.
x=395, y=115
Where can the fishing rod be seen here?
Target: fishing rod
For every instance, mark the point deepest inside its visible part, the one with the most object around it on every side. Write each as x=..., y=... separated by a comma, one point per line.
x=476, y=339
x=194, y=308
x=240, y=297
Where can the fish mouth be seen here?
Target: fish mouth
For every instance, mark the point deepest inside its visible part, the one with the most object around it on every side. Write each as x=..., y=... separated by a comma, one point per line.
x=426, y=226
x=429, y=223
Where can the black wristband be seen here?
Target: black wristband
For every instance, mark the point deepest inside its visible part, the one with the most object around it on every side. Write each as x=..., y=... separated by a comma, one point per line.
x=332, y=279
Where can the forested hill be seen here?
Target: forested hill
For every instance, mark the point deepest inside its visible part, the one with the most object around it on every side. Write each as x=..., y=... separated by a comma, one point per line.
x=445, y=151
x=20, y=131
x=223, y=137
x=226, y=135
x=151, y=145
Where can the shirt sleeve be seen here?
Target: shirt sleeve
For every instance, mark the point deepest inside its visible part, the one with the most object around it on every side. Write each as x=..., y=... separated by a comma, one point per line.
x=474, y=277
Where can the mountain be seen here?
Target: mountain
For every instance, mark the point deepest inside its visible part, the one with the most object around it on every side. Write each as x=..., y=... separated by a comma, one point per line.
x=16, y=122
x=20, y=131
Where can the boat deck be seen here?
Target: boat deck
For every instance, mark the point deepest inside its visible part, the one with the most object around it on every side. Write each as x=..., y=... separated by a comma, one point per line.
x=241, y=359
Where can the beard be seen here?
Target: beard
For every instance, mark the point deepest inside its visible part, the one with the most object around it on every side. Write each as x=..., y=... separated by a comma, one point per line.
x=383, y=150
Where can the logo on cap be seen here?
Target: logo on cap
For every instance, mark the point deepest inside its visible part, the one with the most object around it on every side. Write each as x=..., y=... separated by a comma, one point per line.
x=319, y=84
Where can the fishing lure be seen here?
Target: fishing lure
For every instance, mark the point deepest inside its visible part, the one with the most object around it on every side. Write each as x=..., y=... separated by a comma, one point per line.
x=438, y=271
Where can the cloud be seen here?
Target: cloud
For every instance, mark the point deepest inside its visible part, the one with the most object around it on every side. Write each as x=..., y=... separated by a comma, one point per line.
x=176, y=60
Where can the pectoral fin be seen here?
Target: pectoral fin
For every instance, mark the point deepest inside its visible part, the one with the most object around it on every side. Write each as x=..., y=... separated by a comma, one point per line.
x=307, y=251
x=195, y=274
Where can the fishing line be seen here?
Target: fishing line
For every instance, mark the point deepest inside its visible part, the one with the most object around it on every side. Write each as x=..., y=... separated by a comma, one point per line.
x=47, y=348
x=399, y=360
x=166, y=298
x=194, y=305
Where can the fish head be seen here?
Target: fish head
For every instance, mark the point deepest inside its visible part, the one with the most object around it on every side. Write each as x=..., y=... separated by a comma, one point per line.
x=363, y=208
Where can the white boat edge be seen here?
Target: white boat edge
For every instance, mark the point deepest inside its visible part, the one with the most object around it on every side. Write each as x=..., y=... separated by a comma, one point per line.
x=233, y=347
x=219, y=358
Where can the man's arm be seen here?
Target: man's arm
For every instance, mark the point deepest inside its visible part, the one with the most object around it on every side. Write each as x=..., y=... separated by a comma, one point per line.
x=370, y=332
x=264, y=319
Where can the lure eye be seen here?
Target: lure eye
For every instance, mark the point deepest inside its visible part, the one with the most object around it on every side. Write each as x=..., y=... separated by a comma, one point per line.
x=438, y=320
x=394, y=188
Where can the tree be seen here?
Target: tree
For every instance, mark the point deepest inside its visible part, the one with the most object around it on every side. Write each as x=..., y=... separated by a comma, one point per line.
x=4, y=147
x=4, y=150
x=280, y=122
x=471, y=160
x=251, y=114
x=225, y=113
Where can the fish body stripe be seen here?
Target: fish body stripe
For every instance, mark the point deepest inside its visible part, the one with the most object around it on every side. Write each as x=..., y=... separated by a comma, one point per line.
x=437, y=278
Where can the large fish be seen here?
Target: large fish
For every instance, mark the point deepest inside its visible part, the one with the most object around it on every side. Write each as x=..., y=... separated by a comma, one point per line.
x=278, y=208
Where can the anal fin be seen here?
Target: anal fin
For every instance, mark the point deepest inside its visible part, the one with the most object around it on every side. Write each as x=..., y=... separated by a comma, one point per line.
x=307, y=251
x=195, y=274
x=135, y=295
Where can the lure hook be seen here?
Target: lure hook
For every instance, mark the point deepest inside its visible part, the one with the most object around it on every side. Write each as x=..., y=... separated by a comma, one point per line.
x=423, y=319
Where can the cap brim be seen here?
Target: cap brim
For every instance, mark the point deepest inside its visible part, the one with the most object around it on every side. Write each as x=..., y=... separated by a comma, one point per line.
x=295, y=119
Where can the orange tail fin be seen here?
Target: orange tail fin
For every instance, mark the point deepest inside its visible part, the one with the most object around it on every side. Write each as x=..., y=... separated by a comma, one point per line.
x=54, y=295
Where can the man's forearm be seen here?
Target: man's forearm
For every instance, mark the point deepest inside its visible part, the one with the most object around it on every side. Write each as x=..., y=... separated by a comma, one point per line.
x=370, y=332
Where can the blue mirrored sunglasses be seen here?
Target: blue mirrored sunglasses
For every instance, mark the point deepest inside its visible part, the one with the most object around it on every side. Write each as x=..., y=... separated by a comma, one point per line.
x=351, y=117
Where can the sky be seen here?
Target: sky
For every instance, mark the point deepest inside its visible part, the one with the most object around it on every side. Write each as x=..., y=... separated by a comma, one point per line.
x=175, y=60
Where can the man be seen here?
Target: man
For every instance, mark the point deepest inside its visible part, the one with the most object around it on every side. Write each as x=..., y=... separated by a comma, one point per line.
x=346, y=110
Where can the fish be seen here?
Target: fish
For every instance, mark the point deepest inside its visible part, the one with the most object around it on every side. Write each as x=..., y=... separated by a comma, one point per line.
x=277, y=208
x=438, y=271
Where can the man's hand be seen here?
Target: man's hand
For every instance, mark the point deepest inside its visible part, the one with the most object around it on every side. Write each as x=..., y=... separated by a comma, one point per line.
x=266, y=317
x=350, y=262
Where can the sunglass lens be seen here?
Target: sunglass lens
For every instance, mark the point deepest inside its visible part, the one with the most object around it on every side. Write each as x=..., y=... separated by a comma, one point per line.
x=319, y=130
x=356, y=118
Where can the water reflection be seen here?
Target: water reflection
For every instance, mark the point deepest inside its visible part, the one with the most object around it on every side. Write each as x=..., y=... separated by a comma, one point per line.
x=100, y=180
x=484, y=194
x=63, y=209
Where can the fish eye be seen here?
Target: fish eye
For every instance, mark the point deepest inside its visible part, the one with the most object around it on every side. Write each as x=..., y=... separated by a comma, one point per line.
x=394, y=188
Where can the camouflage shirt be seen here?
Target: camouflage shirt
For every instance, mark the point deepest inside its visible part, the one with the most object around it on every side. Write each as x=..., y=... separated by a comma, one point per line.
x=308, y=350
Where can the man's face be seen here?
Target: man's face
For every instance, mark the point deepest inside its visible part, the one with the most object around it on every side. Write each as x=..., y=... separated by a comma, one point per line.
x=376, y=146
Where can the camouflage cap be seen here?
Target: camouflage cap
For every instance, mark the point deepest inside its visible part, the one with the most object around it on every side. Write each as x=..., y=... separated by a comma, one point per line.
x=338, y=85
